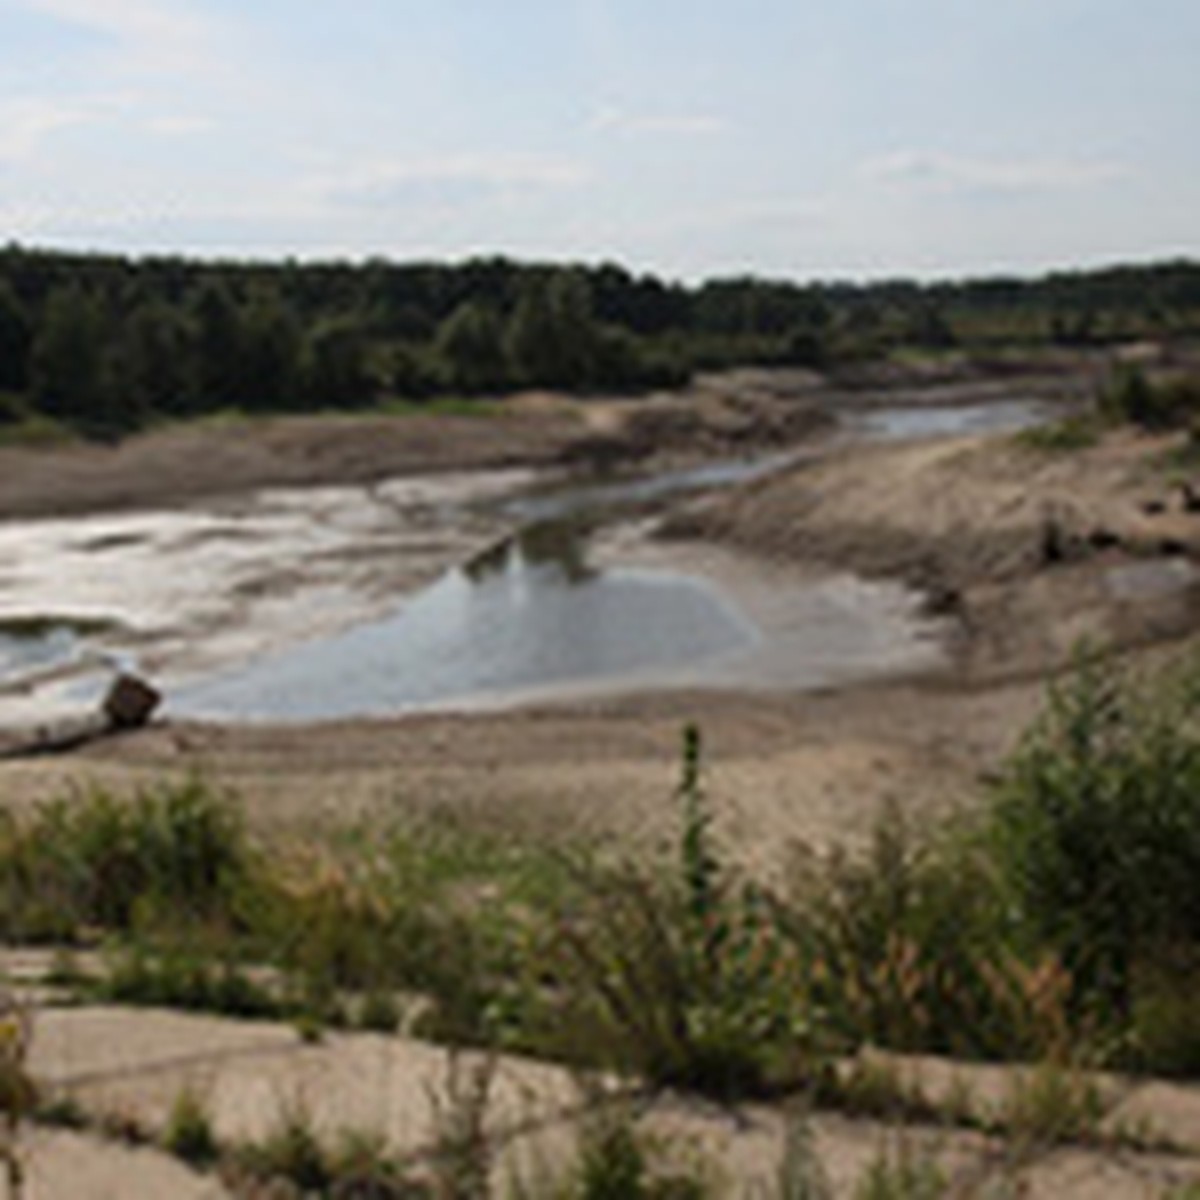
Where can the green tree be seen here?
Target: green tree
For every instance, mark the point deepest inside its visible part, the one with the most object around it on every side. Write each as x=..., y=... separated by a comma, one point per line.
x=552, y=334
x=70, y=366
x=16, y=337
x=470, y=347
x=270, y=354
x=217, y=347
x=154, y=363
x=335, y=369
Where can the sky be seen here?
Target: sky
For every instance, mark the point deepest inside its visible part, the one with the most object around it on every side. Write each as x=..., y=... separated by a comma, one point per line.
x=787, y=138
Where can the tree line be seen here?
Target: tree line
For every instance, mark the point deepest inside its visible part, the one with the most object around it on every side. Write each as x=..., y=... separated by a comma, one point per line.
x=105, y=344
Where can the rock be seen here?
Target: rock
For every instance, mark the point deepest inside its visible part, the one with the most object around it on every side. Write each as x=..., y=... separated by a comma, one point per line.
x=1190, y=497
x=943, y=600
x=130, y=702
x=1102, y=538
x=1053, y=541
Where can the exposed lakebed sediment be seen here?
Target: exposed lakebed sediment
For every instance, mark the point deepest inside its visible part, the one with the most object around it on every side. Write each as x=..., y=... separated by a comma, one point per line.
x=462, y=590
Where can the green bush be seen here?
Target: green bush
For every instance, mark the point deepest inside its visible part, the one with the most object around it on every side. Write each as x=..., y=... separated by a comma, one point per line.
x=378, y=919
x=1131, y=396
x=1096, y=828
x=908, y=946
x=677, y=974
x=177, y=856
x=291, y=1151
x=616, y=1162
x=1076, y=432
x=1165, y=1035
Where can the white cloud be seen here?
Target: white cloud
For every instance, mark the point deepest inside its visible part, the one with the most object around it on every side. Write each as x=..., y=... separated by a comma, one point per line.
x=179, y=125
x=160, y=35
x=128, y=20
x=937, y=172
x=664, y=124
x=450, y=178
x=27, y=122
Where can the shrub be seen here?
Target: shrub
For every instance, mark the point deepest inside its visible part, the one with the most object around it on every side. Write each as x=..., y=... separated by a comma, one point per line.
x=18, y=1093
x=907, y=946
x=1129, y=395
x=174, y=856
x=1096, y=828
x=1165, y=1035
x=679, y=975
x=350, y=924
x=362, y=1169
x=1051, y=1103
x=616, y=1162
x=379, y=1013
x=1076, y=432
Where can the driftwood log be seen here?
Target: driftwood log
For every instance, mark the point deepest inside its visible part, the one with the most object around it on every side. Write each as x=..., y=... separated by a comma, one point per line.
x=129, y=703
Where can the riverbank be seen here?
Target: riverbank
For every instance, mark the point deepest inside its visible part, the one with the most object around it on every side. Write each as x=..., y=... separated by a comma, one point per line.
x=963, y=519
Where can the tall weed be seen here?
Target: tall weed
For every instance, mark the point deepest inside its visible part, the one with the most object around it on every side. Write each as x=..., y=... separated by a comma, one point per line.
x=94, y=863
x=906, y=946
x=676, y=972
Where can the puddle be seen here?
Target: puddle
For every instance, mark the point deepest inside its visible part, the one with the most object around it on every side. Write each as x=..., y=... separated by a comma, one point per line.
x=927, y=421
x=1151, y=580
x=531, y=613
x=33, y=647
x=22, y=653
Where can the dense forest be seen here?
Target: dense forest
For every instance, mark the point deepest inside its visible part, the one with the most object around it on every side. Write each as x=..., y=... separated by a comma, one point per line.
x=105, y=344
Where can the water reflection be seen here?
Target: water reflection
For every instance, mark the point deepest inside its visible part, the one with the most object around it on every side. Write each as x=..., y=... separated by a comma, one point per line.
x=558, y=547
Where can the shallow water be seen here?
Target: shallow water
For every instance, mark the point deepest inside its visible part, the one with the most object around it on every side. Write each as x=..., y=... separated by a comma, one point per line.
x=563, y=503
x=531, y=613
x=21, y=653
x=924, y=421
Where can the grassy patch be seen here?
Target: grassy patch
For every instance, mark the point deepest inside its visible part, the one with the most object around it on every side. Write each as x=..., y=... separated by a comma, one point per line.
x=21, y=426
x=1073, y=433
x=93, y=863
x=189, y=1132
x=41, y=625
x=441, y=406
x=1051, y=1104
